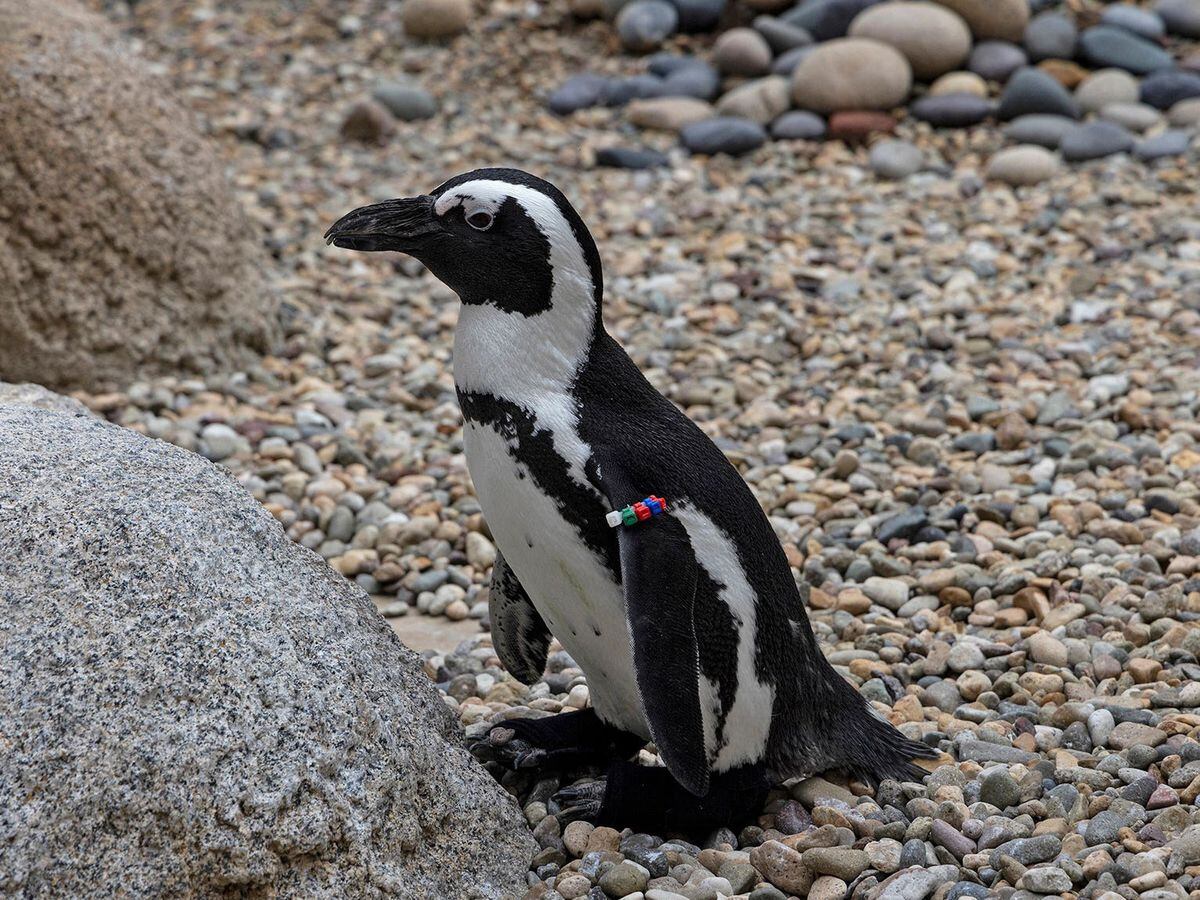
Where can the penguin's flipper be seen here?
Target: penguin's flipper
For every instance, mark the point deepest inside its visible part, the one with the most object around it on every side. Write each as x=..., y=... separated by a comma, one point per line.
x=519, y=634
x=658, y=572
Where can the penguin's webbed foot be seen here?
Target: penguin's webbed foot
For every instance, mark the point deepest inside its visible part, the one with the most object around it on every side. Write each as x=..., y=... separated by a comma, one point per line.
x=580, y=801
x=648, y=798
x=561, y=740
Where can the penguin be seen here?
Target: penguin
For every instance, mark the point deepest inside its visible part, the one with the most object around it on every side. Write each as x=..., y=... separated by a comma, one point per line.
x=687, y=622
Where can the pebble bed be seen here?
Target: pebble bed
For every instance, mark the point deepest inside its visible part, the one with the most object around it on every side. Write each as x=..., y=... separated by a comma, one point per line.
x=972, y=412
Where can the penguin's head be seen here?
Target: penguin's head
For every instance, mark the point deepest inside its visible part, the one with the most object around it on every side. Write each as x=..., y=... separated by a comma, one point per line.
x=496, y=237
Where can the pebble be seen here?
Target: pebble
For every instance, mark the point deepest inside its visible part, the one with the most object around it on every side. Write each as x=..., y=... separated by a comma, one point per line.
x=1181, y=17
x=1162, y=90
x=798, y=125
x=742, y=51
x=1023, y=165
x=1105, y=45
x=1043, y=130
x=952, y=110
x=1031, y=91
x=1133, y=116
x=668, y=113
x=761, y=100
x=1050, y=35
x=644, y=24
x=1142, y=22
x=631, y=158
x=406, y=101
x=1174, y=142
x=1105, y=87
x=895, y=159
x=933, y=39
x=698, y=15
x=435, y=18
x=996, y=60
x=851, y=74
x=1092, y=140
x=958, y=83
x=1002, y=20
x=723, y=134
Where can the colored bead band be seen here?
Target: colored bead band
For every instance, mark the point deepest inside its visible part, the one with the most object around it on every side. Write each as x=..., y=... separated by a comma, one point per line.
x=638, y=512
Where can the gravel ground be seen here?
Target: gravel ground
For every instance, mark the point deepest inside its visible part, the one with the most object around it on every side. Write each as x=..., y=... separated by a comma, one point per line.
x=972, y=413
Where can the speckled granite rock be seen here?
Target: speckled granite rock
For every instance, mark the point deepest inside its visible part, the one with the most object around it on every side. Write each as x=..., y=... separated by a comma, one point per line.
x=192, y=705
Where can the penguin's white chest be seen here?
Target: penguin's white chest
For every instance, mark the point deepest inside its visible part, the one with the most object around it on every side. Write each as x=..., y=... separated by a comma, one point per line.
x=575, y=593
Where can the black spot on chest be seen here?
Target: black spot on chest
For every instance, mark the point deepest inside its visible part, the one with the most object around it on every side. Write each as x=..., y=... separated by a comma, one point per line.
x=533, y=448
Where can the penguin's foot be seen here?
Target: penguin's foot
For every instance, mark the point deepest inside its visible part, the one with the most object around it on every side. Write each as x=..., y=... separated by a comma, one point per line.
x=648, y=798
x=562, y=740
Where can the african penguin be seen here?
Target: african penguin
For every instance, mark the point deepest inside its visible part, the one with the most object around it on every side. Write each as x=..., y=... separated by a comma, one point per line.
x=689, y=625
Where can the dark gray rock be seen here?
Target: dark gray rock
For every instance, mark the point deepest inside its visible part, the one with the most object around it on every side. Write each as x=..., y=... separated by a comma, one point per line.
x=782, y=36
x=197, y=706
x=636, y=87
x=1181, y=17
x=1105, y=45
x=1050, y=35
x=798, y=125
x=697, y=79
x=631, y=158
x=902, y=525
x=1162, y=90
x=578, y=92
x=698, y=15
x=788, y=60
x=406, y=101
x=1038, y=128
x=644, y=24
x=952, y=110
x=1093, y=140
x=1103, y=828
x=826, y=19
x=1028, y=851
x=996, y=60
x=1032, y=91
x=723, y=134
x=1142, y=22
x=1169, y=143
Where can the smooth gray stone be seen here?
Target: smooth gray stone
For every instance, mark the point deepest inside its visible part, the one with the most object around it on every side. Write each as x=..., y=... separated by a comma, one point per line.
x=1043, y=130
x=698, y=15
x=1093, y=140
x=782, y=36
x=996, y=60
x=1106, y=45
x=1142, y=22
x=1162, y=90
x=644, y=24
x=1050, y=35
x=723, y=134
x=1168, y=143
x=1033, y=91
x=1182, y=17
x=952, y=110
x=798, y=125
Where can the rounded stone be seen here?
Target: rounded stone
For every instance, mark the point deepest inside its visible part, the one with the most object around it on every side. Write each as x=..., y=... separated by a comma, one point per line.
x=631, y=158
x=742, y=51
x=698, y=15
x=798, y=125
x=933, y=39
x=826, y=19
x=1174, y=142
x=1093, y=140
x=644, y=24
x=851, y=74
x=1162, y=90
x=699, y=80
x=1142, y=22
x=406, y=101
x=1181, y=17
x=723, y=134
x=996, y=60
x=1002, y=20
x=1043, y=130
x=761, y=100
x=895, y=159
x=959, y=83
x=952, y=110
x=668, y=113
x=1050, y=35
x=1185, y=113
x=1104, y=87
x=1104, y=45
x=781, y=36
x=785, y=63
x=578, y=92
x=1033, y=91
x=435, y=18
x=1134, y=116
x=1022, y=165
x=855, y=126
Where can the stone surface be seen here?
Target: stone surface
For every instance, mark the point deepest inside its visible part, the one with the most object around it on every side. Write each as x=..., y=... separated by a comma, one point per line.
x=1092, y=140
x=933, y=39
x=1050, y=35
x=798, y=125
x=1031, y=91
x=1104, y=87
x=1162, y=90
x=761, y=100
x=130, y=253
x=1043, y=130
x=1173, y=142
x=644, y=24
x=1002, y=20
x=1181, y=17
x=895, y=159
x=1104, y=45
x=434, y=19
x=959, y=83
x=668, y=113
x=996, y=60
x=723, y=134
x=405, y=100
x=742, y=51
x=247, y=721
x=1024, y=164
x=952, y=110
x=851, y=74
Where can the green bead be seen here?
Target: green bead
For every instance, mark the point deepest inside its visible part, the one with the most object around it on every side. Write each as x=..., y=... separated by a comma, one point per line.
x=628, y=516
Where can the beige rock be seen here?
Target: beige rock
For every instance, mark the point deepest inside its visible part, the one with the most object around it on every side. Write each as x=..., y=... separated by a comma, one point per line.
x=761, y=100
x=932, y=38
x=129, y=254
x=851, y=74
x=742, y=51
x=435, y=18
x=1024, y=164
x=1003, y=20
x=668, y=113
x=959, y=83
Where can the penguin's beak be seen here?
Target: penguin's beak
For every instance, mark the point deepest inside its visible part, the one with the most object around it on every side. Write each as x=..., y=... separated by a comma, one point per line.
x=400, y=225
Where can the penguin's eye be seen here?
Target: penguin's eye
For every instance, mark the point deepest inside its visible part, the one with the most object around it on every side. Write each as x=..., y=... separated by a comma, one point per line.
x=480, y=220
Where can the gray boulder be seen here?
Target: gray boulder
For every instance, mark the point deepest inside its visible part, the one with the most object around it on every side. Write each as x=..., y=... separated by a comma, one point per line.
x=192, y=705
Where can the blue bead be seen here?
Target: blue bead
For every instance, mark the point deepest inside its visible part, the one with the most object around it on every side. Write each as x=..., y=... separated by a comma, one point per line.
x=654, y=506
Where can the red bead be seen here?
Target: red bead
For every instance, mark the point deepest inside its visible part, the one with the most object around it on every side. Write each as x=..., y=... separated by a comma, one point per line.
x=642, y=511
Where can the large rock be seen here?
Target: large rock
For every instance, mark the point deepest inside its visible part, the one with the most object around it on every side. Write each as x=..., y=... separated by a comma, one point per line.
x=851, y=74
x=193, y=706
x=1002, y=20
x=932, y=38
x=124, y=249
